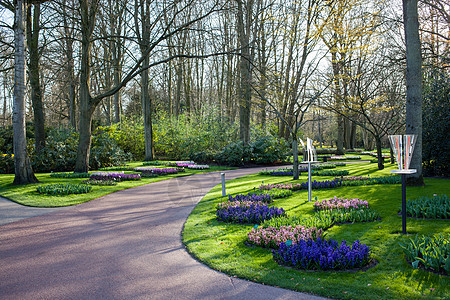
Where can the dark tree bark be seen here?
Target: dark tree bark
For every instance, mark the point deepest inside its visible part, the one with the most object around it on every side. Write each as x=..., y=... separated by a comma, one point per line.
x=87, y=106
x=33, y=28
x=70, y=70
x=413, y=86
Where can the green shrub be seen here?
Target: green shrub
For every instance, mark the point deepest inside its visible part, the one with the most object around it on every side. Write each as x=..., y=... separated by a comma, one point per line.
x=64, y=189
x=436, y=123
x=59, y=153
x=330, y=173
x=194, y=136
x=264, y=150
x=234, y=155
x=6, y=164
x=431, y=253
x=128, y=135
x=437, y=207
x=268, y=149
x=69, y=175
x=105, y=152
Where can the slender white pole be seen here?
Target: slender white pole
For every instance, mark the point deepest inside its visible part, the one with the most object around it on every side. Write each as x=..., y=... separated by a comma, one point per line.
x=222, y=176
x=309, y=181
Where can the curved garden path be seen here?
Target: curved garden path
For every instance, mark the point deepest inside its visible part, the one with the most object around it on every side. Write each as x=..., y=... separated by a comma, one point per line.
x=125, y=245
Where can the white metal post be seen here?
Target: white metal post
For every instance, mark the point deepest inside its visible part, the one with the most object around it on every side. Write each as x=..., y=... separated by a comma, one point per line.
x=309, y=181
x=222, y=175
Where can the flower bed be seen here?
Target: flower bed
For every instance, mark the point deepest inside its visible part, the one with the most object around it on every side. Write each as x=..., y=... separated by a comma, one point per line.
x=337, y=157
x=144, y=169
x=302, y=186
x=63, y=189
x=431, y=253
x=154, y=163
x=189, y=165
x=326, y=218
x=351, y=178
x=321, y=221
x=395, y=179
x=246, y=212
x=115, y=176
x=69, y=175
x=272, y=237
x=251, y=197
x=161, y=172
x=117, y=168
x=274, y=193
x=198, y=167
x=436, y=207
x=323, y=255
x=327, y=184
x=100, y=182
x=285, y=186
x=338, y=203
x=330, y=173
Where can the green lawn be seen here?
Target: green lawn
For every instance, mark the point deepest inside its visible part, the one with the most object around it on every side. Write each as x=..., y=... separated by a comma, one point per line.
x=222, y=245
x=27, y=195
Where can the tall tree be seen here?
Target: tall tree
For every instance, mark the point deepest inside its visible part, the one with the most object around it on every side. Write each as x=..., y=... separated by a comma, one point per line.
x=244, y=25
x=88, y=102
x=413, y=85
x=23, y=171
x=143, y=29
x=33, y=29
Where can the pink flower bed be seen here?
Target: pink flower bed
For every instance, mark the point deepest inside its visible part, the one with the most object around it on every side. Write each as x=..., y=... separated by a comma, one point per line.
x=337, y=203
x=282, y=186
x=272, y=237
x=247, y=204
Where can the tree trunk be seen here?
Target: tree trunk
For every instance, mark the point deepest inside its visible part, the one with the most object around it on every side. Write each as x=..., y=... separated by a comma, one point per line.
x=87, y=107
x=36, y=93
x=413, y=86
x=379, y=153
x=147, y=111
x=84, y=129
x=295, y=158
x=70, y=66
x=23, y=170
x=245, y=92
x=338, y=103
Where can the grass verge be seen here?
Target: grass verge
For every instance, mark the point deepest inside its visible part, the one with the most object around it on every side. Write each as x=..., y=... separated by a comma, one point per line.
x=27, y=194
x=222, y=246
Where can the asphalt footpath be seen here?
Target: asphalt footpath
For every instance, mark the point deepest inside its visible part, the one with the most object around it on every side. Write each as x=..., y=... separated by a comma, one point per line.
x=125, y=245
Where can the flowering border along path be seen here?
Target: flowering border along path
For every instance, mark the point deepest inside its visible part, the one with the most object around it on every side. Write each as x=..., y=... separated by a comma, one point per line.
x=224, y=246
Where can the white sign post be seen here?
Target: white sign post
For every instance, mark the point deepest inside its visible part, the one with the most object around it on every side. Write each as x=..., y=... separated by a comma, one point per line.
x=311, y=157
x=403, y=148
x=222, y=177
